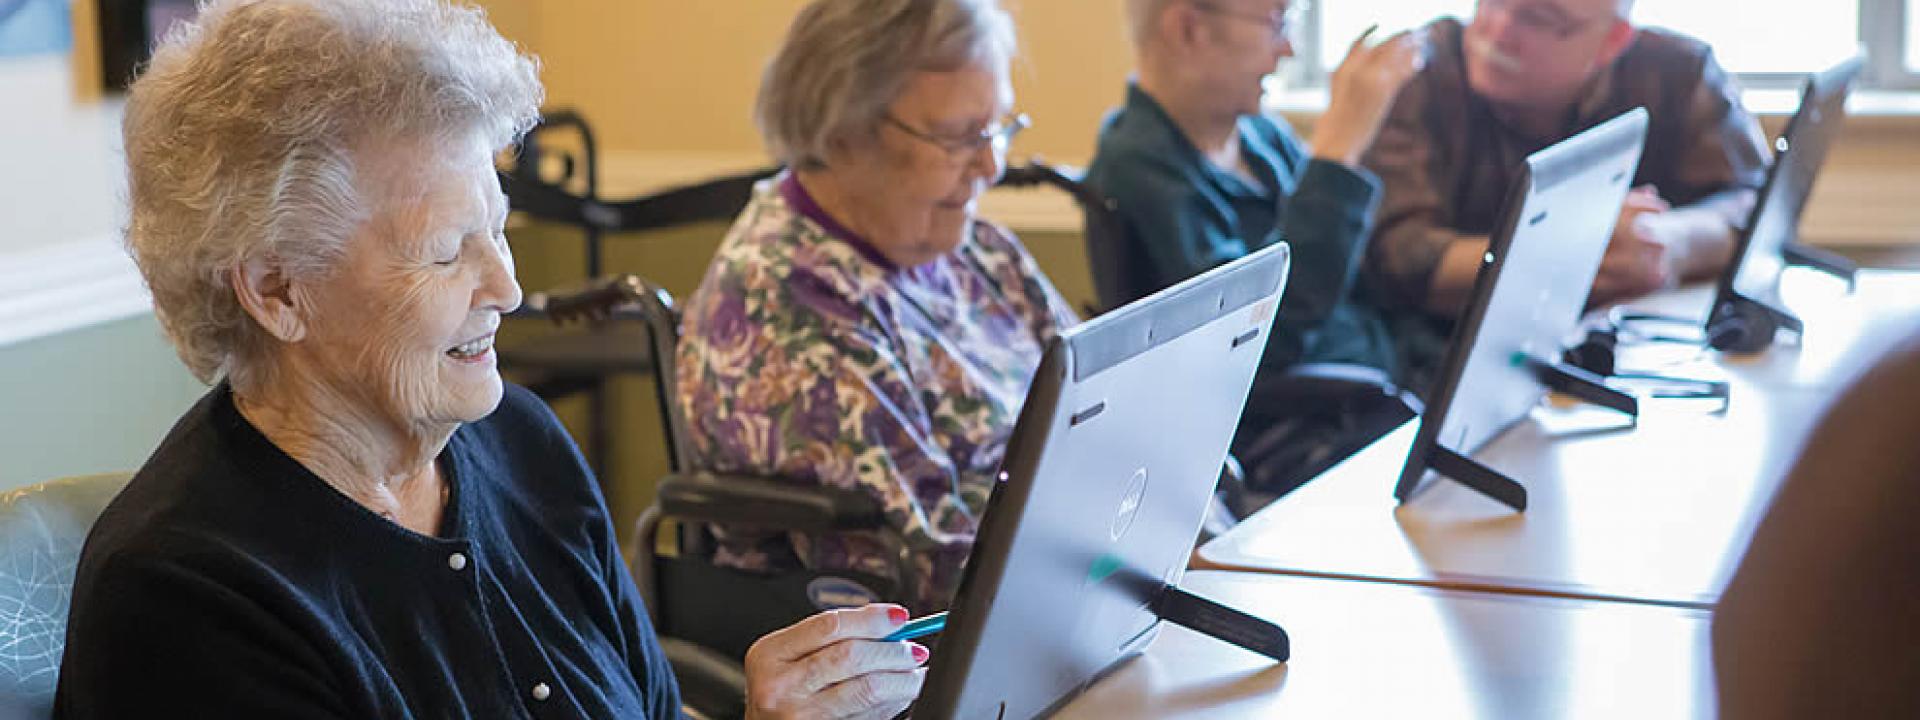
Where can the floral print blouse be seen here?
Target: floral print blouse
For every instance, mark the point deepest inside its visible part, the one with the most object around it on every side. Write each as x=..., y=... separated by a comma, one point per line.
x=805, y=355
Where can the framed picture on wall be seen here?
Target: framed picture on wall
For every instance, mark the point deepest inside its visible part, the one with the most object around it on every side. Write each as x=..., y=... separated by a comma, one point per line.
x=34, y=27
x=129, y=30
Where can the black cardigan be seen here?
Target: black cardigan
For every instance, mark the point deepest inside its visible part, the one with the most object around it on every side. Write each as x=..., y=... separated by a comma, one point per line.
x=229, y=581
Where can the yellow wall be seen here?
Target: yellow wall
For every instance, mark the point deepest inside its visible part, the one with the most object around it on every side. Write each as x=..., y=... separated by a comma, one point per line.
x=659, y=75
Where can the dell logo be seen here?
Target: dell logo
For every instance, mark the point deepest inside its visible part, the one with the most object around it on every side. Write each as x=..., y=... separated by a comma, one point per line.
x=1130, y=500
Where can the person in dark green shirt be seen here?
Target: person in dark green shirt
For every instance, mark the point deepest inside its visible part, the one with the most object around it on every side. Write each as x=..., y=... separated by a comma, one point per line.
x=1198, y=176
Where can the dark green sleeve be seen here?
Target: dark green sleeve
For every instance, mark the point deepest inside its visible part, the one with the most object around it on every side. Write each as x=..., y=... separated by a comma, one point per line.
x=1183, y=234
x=1326, y=222
x=1180, y=231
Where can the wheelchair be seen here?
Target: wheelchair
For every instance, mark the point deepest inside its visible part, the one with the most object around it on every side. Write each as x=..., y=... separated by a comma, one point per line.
x=706, y=616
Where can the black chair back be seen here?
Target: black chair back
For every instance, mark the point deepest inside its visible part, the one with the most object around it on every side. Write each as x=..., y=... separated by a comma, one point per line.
x=1116, y=278
x=551, y=199
x=663, y=337
x=631, y=297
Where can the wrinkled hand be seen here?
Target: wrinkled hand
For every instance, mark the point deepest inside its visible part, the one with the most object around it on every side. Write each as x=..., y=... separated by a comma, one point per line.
x=1362, y=90
x=1641, y=258
x=833, y=665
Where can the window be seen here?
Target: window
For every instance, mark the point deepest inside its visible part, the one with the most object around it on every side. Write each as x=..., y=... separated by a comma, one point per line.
x=1768, y=42
x=1913, y=36
x=1343, y=20
x=1752, y=38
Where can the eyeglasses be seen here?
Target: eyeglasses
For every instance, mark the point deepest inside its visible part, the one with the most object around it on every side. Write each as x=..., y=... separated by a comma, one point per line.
x=958, y=147
x=1281, y=23
x=1538, y=18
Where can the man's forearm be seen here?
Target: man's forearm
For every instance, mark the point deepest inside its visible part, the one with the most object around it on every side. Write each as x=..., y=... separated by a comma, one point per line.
x=1454, y=275
x=1700, y=239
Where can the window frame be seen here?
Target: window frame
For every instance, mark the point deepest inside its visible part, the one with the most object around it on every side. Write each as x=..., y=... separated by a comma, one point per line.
x=1882, y=33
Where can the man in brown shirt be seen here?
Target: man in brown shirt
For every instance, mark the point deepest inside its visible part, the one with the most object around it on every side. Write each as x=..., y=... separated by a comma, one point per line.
x=1523, y=75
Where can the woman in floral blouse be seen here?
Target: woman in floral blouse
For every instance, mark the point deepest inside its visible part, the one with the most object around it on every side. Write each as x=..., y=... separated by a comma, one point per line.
x=859, y=326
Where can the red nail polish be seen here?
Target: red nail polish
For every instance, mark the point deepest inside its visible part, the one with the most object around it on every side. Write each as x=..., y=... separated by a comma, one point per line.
x=898, y=615
x=920, y=653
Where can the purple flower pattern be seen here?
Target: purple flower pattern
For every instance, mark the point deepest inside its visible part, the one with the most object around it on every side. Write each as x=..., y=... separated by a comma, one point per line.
x=802, y=359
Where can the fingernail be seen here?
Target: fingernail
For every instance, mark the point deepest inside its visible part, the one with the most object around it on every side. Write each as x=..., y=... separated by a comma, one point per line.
x=898, y=615
x=920, y=652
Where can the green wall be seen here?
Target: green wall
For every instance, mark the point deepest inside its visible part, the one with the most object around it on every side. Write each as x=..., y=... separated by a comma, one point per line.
x=92, y=400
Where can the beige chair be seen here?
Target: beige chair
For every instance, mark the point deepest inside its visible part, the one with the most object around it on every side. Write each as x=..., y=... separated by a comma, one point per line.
x=41, y=530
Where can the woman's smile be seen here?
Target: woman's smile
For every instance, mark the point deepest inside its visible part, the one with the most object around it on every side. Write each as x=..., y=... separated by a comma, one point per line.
x=476, y=351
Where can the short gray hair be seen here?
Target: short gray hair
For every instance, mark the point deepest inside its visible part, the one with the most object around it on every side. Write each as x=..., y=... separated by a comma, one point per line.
x=1141, y=15
x=844, y=61
x=241, y=136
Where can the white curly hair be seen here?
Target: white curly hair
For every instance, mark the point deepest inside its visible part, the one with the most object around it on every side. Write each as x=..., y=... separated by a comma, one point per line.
x=241, y=138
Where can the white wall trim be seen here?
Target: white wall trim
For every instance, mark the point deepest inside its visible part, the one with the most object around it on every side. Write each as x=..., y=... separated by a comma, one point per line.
x=67, y=286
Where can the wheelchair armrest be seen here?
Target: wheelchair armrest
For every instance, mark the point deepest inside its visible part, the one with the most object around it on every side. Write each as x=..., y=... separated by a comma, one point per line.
x=767, y=503
x=1330, y=382
x=597, y=299
x=1333, y=374
x=711, y=684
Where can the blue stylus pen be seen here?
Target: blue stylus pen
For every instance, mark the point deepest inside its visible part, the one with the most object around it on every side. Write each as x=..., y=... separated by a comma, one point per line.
x=920, y=627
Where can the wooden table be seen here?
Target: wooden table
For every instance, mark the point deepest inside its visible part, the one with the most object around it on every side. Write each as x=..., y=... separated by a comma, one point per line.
x=1381, y=650
x=1658, y=513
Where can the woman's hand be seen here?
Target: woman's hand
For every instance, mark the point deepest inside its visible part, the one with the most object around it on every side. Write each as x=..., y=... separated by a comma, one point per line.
x=834, y=665
x=1361, y=92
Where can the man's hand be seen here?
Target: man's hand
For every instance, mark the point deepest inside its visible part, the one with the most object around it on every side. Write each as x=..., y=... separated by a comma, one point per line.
x=1644, y=255
x=1361, y=92
x=834, y=665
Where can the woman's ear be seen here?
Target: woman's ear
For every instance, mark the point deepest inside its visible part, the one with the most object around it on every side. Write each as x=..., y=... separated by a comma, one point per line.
x=269, y=297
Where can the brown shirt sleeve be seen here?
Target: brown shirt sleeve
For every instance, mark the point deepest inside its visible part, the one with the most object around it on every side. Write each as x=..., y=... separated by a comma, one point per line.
x=1724, y=157
x=1412, y=230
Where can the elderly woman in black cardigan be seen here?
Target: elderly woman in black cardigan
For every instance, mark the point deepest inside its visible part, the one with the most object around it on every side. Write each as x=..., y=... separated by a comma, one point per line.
x=360, y=519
